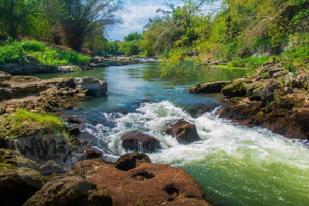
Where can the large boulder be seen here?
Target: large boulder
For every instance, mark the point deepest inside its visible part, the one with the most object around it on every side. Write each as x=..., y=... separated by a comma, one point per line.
x=94, y=87
x=212, y=87
x=18, y=184
x=131, y=161
x=147, y=184
x=68, y=191
x=184, y=131
x=136, y=141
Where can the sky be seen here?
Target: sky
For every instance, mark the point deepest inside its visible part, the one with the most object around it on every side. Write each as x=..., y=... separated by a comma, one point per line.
x=135, y=15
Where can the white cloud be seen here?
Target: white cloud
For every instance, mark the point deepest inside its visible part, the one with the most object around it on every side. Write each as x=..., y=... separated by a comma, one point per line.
x=135, y=15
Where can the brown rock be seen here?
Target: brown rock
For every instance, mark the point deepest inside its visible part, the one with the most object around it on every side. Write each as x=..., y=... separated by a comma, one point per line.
x=147, y=184
x=136, y=141
x=131, y=161
x=184, y=131
x=67, y=191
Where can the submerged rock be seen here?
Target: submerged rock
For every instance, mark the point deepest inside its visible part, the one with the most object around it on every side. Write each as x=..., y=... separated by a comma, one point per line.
x=146, y=184
x=94, y=87
x=67, y=191
x=184, y=131
x=212, y=87
x=136, y=141
x=131, y=161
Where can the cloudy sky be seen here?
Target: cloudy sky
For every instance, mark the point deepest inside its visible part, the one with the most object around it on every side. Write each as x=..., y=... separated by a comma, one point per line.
x=135, y=14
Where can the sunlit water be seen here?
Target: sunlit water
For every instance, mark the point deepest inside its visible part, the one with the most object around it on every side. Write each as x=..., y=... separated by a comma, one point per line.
x=234, y=165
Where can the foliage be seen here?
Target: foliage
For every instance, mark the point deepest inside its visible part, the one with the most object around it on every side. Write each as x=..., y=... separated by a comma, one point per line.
x=21, y=121
x=130, y=45
x=18, y=51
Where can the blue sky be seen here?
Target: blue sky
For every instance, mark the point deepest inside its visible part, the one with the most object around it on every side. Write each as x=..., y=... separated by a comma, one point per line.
x=136, y=13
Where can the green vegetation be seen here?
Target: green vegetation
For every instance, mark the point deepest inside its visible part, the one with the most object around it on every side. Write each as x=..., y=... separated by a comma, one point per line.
x=244, y=33
x=72, y=23
x=23, y=122
x=20, y=51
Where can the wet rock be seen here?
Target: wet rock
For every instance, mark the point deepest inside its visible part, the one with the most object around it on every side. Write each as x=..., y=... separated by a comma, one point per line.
x=67, y=191
x=235, y=89
x=18, y=184
x=212, y=87
x=147, y=184
x=184, y=131
x=94, y=87
x=136, y=141
x=131, y=161
x=74, y=119
x=51, y=167
x=92, y=153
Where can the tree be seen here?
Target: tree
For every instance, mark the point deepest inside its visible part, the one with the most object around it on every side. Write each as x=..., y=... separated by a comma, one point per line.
x=16, y=16
x=80, y=18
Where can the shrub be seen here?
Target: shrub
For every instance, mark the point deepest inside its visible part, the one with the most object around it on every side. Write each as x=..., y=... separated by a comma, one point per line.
x=17, y=51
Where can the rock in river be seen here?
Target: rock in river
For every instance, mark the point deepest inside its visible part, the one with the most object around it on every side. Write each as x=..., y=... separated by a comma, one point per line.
x=184, y=131
x=135, y=140
x=94, y=87
x=212, y=87
x=130, y=161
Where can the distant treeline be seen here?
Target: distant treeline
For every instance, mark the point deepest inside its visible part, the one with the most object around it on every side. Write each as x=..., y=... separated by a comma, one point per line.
x=242, y=31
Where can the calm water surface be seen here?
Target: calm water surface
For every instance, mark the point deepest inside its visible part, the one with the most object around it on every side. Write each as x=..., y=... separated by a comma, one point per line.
x=234, y=165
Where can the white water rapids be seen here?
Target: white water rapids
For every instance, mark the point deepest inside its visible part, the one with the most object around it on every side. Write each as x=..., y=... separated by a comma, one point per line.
x=254, y=164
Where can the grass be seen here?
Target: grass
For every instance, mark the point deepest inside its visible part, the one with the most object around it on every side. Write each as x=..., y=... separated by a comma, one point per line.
x=19, y=51
x=22, y=122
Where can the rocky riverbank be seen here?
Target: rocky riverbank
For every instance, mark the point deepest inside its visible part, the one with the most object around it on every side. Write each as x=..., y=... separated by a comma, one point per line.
x=46, y=95
x=273, y=98
x=47, y=160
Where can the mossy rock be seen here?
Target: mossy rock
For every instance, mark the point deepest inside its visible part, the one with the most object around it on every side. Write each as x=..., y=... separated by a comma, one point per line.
x=24, y=123
x=236, y=89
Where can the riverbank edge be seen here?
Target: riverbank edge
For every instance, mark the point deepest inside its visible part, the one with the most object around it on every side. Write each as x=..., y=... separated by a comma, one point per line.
x=272, y=97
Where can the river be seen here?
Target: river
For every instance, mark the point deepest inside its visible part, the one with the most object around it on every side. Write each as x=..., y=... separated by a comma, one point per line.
x=234, y=165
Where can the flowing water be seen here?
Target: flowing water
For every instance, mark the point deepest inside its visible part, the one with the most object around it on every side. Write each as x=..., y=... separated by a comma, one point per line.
x=234, y=165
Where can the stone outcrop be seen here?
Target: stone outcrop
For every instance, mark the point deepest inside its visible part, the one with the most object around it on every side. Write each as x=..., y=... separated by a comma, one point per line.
x=147, y=184
x=138, y=141
x=184, y=131
x=212, y=87
x=46, y=95
x=273, y=98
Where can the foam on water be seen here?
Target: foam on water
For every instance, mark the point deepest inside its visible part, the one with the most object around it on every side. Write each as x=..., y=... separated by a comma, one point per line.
x=229, y=161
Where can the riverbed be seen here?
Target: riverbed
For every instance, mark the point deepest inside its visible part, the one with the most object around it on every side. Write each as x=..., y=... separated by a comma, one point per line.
x=234, y=165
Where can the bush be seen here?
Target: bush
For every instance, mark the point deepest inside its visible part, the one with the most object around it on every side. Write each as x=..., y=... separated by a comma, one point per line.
x=17, y=51
x=249, y=62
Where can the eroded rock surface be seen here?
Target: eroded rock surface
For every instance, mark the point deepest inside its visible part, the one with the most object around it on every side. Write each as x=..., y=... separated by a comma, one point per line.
x=147, y=184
